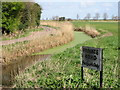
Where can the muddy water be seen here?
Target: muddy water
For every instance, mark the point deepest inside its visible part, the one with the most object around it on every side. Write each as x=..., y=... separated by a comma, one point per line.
x=13, y=69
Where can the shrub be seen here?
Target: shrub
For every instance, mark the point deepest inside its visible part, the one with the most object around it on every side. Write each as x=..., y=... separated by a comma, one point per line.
x=19, y=15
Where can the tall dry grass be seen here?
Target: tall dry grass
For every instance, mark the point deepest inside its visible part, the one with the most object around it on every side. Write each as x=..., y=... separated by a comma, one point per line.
x=88, y=30
x=50, y=39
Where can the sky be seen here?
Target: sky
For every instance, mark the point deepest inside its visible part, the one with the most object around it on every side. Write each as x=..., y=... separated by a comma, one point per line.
x=71, y=8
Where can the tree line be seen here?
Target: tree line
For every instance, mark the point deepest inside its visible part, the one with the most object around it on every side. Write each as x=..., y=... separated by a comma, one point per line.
x=20, y=16
x=97, y=16
x=88, y=16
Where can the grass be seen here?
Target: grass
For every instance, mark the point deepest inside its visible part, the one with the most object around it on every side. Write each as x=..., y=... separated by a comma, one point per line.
x=79, y=37
x=11, y=47
x=63, y=69
x=100, y=26
x=20, y=35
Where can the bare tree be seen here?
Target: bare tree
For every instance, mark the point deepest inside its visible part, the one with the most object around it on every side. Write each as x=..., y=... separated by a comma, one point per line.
x=105, y=16
x=85, y=18
x=94, y=18
x=53, y=18
x=88, y=16
x=97, y=16
x=113, y=17
x=77, y=16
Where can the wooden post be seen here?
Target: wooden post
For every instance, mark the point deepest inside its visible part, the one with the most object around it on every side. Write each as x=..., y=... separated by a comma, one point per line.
x=101, y=78
x=101, y=71
x=82, y=73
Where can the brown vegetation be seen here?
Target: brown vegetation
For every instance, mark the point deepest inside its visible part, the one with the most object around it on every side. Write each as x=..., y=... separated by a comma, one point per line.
x=88, y=30
x=107, y=34
x=52, y=38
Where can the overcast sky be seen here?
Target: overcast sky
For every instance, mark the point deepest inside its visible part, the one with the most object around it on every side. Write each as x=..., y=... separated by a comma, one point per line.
x=70, y=9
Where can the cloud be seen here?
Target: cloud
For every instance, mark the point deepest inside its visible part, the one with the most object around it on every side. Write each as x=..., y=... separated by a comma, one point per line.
x=71, y=9
x=96, y=10
x=107, y=9
x=86, y=4
x=107, y=4
x=76, y=0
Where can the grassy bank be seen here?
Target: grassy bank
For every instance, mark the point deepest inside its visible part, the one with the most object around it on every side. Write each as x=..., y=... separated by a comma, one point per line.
x=100, y=26
x=63, y=69
x=79, y=37
x=47, y=39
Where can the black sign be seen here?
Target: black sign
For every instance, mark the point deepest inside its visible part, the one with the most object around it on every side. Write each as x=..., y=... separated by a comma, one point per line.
x=92, y=58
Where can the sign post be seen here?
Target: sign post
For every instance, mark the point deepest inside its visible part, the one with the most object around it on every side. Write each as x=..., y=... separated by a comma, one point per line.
x=101, y=78
x=82, y=73
x=92, y=58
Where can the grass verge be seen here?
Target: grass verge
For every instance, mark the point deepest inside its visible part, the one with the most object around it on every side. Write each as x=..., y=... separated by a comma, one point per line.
x=63, y=70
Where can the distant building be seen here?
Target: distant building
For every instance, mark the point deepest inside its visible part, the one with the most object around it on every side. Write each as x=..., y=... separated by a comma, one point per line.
x=61, y=18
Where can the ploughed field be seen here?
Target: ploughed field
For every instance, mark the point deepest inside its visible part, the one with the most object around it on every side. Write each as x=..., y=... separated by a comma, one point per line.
x=63, y=70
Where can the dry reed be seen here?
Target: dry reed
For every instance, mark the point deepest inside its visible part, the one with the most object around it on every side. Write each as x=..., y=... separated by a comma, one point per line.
x=52, y=38
x=88, y=30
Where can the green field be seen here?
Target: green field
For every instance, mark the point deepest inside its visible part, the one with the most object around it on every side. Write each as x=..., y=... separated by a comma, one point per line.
x=105, y=26
x=63, y=69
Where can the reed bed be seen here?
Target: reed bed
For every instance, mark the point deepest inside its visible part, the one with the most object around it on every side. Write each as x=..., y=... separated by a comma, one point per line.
x=49, y=39
x=88, y=30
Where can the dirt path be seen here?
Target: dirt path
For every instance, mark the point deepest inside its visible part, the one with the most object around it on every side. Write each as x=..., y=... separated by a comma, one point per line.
x=30, y=37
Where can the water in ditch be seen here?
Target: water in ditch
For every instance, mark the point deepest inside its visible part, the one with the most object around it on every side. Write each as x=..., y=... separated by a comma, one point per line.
x=11, y=70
